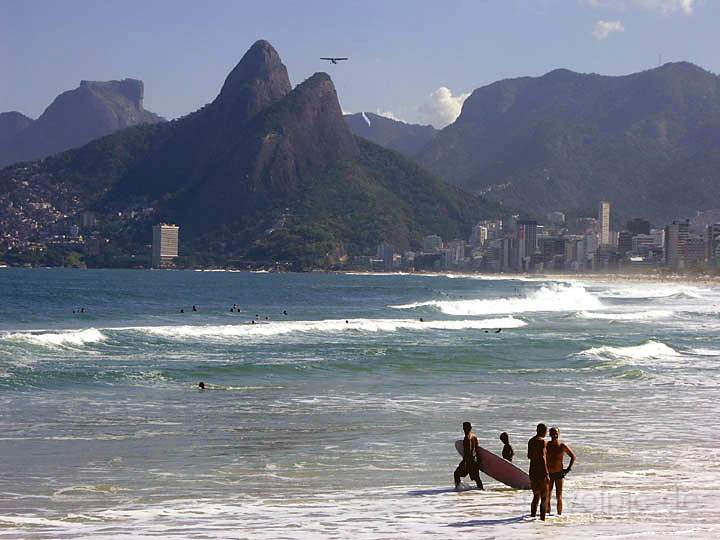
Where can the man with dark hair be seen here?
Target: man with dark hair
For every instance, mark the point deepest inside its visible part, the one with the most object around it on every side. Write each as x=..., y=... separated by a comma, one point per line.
x=556, y=450
x=470, y=463
x=537, y=454
x=507, y=451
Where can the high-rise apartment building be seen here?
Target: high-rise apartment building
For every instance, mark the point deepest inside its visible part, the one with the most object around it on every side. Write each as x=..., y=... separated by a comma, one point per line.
x=479, y=235
x=432, y=244
x=526, y=236
x=712, y=240
x=604, y=218
x=638, y=226
x=676, y=237
x=165, y=245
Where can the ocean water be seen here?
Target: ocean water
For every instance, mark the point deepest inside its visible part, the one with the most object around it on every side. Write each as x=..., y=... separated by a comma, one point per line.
x=338, y=419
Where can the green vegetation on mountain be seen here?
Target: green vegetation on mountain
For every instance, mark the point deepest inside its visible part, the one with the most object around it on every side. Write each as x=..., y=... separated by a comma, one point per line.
x=263, y=173
x=565, y=140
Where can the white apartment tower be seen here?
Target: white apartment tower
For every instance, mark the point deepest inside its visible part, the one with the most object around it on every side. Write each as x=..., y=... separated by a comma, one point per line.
x=165, y=245
x=604, y=218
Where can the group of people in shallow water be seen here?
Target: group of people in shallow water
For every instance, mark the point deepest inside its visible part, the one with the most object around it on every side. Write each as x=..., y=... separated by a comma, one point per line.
x=547, y=470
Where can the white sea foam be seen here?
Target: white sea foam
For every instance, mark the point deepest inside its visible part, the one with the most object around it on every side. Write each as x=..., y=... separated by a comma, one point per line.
x=552, y=297
x=324, y=326
x=648, y=350
x=643, y=291
x=627, y=316
x=58, y=339
x=705, y=352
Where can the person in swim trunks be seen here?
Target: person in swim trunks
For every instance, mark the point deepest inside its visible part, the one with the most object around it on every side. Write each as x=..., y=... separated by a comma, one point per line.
x=538, y=471
x=470, y=463
x=556, y=450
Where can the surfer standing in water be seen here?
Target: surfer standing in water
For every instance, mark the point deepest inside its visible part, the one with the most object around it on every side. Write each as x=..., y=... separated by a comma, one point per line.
x=469, y=464
x=539, y=476
x=507, y=451
x=556, y=450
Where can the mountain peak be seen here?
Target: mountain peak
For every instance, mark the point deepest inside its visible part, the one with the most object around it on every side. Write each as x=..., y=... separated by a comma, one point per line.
x=258, y=80
x=131, y=89
x=74, y=118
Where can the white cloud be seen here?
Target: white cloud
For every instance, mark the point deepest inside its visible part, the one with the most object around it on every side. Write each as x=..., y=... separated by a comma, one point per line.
x=442, y=108
x=604, y=28
x=666, y=7
x=388, y=114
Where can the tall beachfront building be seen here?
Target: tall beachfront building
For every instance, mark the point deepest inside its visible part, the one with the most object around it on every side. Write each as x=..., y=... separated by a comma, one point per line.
x=165, y=245
x=604, y=218
x=526, y=238
x=676, y=240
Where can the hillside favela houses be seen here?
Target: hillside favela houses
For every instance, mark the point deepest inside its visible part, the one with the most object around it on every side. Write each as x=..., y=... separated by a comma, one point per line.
x=584, y=244
x=165, y=245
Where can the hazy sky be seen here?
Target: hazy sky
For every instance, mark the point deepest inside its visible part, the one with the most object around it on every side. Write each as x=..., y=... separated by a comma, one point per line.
x=413, y=59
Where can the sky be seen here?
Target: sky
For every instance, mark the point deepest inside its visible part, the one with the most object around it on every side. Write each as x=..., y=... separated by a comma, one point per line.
x=414, y=60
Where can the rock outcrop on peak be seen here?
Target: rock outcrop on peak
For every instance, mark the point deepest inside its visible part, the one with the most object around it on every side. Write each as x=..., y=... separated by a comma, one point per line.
x=264, y=172
x=74, y=118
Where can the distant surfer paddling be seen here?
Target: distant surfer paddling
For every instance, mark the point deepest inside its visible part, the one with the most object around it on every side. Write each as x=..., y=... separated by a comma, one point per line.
x=556, y=450
x=539, y=476
x=469, y=464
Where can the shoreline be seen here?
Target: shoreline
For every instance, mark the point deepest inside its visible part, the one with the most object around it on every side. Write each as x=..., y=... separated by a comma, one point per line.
x=654, y=278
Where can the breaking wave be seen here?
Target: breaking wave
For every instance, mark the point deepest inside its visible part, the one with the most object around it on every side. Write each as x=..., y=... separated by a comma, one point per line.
x=642, y=292
x=324, y=326
x=78, y=338
x=648, y=350
x=553, y=297
x=66, y=338
x=635, y=316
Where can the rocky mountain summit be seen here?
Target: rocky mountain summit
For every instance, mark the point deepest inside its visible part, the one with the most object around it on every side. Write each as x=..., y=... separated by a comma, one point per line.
x=74, y=118
x=264, y=172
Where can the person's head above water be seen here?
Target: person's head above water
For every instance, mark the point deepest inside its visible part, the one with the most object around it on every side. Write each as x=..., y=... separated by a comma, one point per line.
x=554, y=432
x=542, y=430
x=201, y=385
x=467, y=426
x=504, y=438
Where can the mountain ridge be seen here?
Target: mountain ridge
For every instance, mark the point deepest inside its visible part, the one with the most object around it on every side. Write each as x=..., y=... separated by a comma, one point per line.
x=403, y=137
x=263, y=173
x=565, y=140
x=76, y=117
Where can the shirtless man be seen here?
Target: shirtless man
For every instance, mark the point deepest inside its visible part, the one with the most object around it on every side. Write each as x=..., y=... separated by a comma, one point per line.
x=538, y=471
x=469, y=464
x=507, y=451
x=556, y=451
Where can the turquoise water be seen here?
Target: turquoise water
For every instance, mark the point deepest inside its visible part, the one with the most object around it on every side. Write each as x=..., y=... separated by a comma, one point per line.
x=339, y=417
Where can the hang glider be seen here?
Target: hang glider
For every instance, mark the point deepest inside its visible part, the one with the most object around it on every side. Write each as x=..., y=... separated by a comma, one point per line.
x=333, y=59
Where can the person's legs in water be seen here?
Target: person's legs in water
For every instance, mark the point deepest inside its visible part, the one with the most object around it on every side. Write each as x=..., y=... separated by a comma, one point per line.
x=460, y=472
x=559, y=495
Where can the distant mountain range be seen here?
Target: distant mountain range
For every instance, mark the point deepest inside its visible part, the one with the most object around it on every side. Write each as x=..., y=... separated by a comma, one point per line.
x=648, y=142
x=408, y=139
x=264, y=172
x=74, y=118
